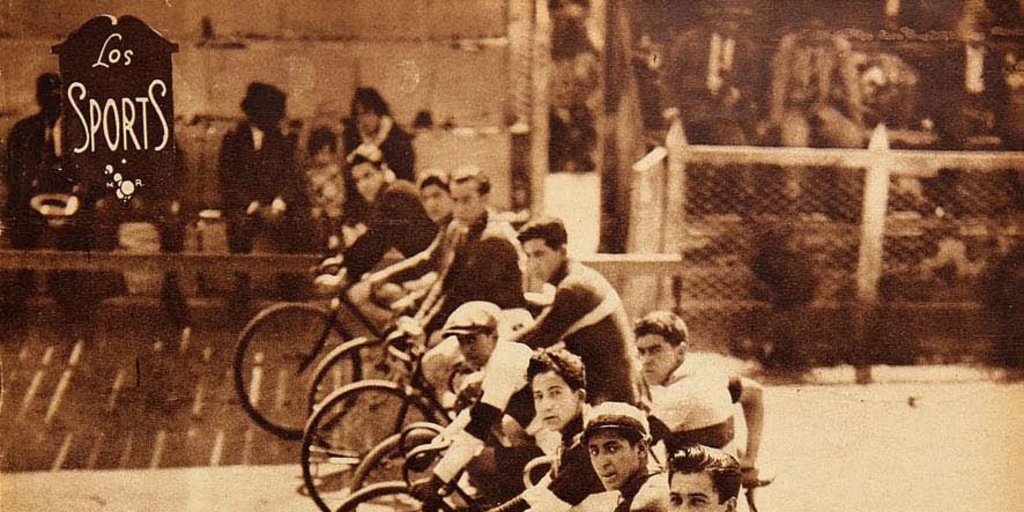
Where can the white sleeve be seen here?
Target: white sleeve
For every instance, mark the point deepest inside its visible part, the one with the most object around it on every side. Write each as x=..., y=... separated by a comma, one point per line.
x=505, y=373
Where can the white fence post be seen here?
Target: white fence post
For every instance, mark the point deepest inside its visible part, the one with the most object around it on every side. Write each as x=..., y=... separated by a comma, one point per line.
x=872, y=225
x=675, y=206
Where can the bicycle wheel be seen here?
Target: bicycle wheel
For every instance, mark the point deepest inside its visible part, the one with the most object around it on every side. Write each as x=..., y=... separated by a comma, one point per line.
x=381, y=497
x=346, y=426
x=364, y=358
x=274, y=363
x=384, y=462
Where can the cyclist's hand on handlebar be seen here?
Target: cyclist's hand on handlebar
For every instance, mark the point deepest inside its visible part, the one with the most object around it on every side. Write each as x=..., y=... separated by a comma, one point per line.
x=428, y=491
x=330, y=284
x=330, y=265
x=750, y=477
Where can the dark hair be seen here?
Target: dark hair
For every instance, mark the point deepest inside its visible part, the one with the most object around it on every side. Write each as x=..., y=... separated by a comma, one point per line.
x=264, y=100
x=563, y=363
x=723, y=468
x=46, y=83
x=437, y=178
x=322, y=137
x=371, y=100
x=549, y=229
x=464, y=174
x=664, y=324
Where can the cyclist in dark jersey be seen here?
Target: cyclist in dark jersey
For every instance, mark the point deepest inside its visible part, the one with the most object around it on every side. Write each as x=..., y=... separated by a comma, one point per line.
x=618, y=438
x=586, y=314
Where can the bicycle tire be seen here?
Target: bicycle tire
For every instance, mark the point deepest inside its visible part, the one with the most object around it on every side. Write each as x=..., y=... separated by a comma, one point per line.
x=358, y=359
x=381, y=496
x=341, y=431
x=270, y=349
x=383, y=463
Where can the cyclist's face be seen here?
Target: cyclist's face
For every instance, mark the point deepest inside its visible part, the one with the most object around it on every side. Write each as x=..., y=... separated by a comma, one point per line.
x=696, y=491
x=556, y=403
x=468, y=205
x=369, y=181
x=476, y=348
x=543, y=261
x=658, y=357
x=436, y=202
x=615, y=460
x=367, y=119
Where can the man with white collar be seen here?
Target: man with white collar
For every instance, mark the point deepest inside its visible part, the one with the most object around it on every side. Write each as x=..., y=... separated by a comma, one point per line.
x=694, y=405
x=504, y=390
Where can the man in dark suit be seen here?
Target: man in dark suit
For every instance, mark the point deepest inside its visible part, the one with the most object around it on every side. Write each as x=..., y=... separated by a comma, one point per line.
x=262, y=193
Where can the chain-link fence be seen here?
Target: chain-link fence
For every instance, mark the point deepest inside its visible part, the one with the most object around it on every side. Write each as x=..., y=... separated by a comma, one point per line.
x=772, y=256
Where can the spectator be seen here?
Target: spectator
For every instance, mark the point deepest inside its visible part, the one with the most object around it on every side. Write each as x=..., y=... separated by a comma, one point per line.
x=964, y=85
x=33, y=166
x=586, y=314
x=372, y=132
x=262, y=192
x=816, y=102
x=575, y=74
x=326, y=188
x=715, y=75
x=36, y=166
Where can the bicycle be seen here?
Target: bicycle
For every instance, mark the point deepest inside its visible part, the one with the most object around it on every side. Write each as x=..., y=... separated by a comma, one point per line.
x=395, y=495
x=286, y=340
x=333, y=443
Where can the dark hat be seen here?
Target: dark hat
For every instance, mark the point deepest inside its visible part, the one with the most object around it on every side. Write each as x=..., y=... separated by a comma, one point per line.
x=264, y=100
x=616, y=416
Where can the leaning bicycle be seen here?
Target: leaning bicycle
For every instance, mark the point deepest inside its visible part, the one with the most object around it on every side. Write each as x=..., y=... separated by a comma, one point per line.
x=355, y=418
x=276, y=363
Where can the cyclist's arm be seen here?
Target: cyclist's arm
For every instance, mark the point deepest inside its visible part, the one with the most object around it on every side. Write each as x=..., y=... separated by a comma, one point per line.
x=414, y=266
x=751, y=399
x=570, y=306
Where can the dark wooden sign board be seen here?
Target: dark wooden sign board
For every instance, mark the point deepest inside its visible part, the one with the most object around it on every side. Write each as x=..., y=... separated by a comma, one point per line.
x=118, y=105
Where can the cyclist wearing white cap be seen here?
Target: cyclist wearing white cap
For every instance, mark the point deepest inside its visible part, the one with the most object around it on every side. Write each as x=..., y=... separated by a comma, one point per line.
x=503, y=391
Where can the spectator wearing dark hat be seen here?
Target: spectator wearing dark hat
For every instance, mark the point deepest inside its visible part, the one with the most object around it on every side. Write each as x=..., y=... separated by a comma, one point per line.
x=262, y=193
x=372, y=132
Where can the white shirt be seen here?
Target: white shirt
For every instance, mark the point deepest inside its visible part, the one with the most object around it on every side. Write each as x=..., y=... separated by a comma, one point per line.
x=693, y=398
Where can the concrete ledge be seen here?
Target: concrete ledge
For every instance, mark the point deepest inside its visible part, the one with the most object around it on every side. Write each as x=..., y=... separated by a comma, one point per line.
x=159, y=490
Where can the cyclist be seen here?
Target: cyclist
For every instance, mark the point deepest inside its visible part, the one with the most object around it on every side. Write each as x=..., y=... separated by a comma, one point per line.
x=617, y=437
x=503, y=365
x=703, y=478
x=586, y=314
x=396, y=220
x=557, y=379
x=694, y=405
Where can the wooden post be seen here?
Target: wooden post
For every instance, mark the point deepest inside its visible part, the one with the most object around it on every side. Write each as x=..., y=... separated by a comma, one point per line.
x=541, y=133
x=520, y=62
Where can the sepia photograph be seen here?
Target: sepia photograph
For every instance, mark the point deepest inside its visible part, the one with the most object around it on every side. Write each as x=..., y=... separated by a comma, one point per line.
x=511, y=255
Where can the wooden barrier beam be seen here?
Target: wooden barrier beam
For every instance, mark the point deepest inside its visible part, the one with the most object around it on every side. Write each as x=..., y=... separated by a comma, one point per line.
x=156, y=262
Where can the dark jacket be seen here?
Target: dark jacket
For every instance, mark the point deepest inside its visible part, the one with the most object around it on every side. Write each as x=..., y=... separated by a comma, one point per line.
x=246, y=175
x=588, y=315
x=398, y=155
x=397, y=221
